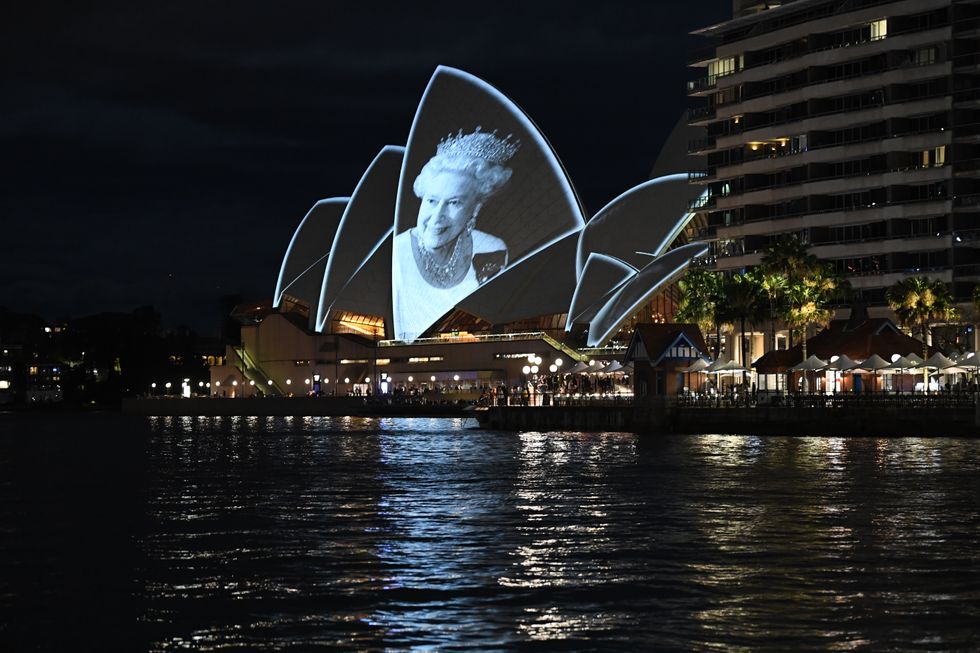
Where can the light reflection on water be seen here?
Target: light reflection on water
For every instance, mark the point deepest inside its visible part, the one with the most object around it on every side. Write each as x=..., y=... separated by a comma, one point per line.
x=406, y=533
x=273, y=533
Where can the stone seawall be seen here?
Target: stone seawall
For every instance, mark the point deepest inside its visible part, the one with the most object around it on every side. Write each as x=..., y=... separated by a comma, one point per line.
x=761, y=420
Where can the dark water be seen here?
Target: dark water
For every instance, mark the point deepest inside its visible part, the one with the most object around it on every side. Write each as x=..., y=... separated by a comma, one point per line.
x=298, y=533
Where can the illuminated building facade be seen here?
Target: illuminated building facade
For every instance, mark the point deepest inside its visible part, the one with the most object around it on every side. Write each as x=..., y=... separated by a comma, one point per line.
x=469, y=239
x=851, y=124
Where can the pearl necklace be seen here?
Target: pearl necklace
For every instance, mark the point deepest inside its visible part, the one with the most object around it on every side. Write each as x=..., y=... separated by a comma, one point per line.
x=440, y=275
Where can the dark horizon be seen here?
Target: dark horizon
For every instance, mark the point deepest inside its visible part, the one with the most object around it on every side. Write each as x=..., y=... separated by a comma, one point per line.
x=164, y=156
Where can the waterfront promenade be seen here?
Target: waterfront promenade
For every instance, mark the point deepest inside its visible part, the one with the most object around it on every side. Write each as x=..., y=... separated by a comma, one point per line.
x=879, y=415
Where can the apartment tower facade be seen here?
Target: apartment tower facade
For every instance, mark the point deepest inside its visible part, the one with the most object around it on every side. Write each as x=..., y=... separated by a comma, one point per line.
x=851, y=124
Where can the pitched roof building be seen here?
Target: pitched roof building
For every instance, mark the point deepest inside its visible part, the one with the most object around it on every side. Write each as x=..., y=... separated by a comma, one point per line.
x=843, y=337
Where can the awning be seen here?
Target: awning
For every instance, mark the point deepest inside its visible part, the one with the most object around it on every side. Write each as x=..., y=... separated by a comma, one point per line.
x=842, y=363
x=812, y=364
x=697, y=366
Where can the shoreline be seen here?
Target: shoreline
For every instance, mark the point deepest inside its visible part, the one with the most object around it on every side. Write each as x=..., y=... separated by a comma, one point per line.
x=646, y=419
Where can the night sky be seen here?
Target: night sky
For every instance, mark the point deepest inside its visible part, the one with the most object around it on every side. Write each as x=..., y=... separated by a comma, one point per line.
x=163, y=153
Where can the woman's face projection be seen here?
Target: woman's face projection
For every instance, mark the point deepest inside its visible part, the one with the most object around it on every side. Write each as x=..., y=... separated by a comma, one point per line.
x=449, y=200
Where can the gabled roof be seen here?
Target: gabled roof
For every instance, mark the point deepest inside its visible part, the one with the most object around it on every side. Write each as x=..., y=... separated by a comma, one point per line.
x=858, y=341
x=651, y=342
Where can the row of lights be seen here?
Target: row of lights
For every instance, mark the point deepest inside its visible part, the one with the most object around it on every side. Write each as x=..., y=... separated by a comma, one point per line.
x=527, y=369
x=535, y=362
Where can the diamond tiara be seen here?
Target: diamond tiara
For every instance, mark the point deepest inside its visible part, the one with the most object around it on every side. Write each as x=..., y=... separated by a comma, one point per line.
x=482, y=145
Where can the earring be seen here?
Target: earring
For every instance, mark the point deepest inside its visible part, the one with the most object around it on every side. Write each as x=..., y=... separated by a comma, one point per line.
x=470, y=225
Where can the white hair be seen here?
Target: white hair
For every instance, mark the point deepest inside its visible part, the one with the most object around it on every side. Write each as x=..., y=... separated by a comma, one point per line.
x=489, y=177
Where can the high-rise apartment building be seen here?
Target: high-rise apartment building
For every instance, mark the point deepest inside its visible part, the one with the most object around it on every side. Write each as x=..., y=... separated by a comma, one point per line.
x=853, y=124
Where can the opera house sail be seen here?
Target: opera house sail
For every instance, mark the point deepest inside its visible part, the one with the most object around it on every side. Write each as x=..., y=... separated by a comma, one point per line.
x=476, y=216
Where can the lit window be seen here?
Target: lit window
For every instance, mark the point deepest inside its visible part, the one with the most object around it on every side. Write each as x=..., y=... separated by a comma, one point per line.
x=721, y=68
x=879, y=29
x=934, y=157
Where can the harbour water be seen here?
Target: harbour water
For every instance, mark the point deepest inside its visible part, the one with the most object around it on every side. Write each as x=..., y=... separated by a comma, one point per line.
x=202, y=534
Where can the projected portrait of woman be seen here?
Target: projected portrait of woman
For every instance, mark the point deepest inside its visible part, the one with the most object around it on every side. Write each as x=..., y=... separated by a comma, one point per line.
x=444, y=257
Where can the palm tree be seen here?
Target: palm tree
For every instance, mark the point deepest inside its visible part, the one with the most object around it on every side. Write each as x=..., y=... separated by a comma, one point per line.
x=976, y=297
x=807, y=299
x=788, y=256
x=739, y=300
x=918, y=302
x=774, y=285
x=699, y=300
x=789, y=260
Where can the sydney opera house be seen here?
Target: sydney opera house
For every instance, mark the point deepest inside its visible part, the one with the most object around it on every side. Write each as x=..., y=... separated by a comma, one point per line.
x=460, y=255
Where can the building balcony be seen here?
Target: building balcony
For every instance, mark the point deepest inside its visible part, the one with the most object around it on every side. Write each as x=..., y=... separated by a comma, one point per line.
x=889, y=245
x=968, y=133
x=966, y=99
x=836, y=185
x=797, y=222
x=738, y=261
x=701, y=203
x=969, y=272
x=702, y=176
x=834, y=54
x=700, y=115
x=966, y=202
x=702, y=85
x=701, y=145
x=968, y=168
x=889, y=278
x=968, y=28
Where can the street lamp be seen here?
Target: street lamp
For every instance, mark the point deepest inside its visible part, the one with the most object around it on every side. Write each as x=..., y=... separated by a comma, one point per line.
x=524, y=372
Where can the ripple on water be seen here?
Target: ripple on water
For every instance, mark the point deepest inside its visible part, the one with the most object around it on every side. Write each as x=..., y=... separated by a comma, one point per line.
x=273, y=533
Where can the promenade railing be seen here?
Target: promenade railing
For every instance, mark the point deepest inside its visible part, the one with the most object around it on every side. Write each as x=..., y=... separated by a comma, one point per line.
x=839, y=400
